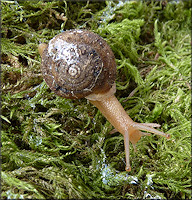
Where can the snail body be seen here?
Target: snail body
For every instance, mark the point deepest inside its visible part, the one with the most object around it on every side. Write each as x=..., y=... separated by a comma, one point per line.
x=79, y=63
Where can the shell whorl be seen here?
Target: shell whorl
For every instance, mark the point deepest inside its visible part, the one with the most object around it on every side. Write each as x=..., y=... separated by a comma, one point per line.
x=76, y=63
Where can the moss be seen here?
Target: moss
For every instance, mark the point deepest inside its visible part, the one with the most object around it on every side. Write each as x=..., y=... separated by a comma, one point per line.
x=61, y=148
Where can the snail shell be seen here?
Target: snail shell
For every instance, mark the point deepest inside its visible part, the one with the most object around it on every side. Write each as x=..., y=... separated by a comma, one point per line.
x=77, y=63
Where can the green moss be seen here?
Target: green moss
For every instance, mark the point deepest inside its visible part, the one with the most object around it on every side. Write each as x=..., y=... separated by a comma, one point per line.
x=60, y=148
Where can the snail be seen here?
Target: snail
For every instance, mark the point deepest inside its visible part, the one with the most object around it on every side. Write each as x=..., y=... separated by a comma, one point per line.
x=78, y=63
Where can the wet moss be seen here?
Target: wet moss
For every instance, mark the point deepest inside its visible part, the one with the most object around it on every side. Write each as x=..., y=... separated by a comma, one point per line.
x=61, y=148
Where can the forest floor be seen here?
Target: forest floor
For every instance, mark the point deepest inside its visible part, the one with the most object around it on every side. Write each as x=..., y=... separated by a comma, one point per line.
x=56, y=148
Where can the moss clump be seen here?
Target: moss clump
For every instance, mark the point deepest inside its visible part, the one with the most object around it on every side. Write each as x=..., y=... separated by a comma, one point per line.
x=60, y=148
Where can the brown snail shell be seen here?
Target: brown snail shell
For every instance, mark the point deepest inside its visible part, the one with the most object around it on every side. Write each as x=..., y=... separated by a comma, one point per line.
x=77, y=63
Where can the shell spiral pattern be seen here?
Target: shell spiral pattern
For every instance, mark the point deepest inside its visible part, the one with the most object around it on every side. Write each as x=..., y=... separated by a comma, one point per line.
x=74, y=66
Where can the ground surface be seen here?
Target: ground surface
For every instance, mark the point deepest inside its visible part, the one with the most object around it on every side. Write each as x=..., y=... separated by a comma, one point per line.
x=60, y=148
